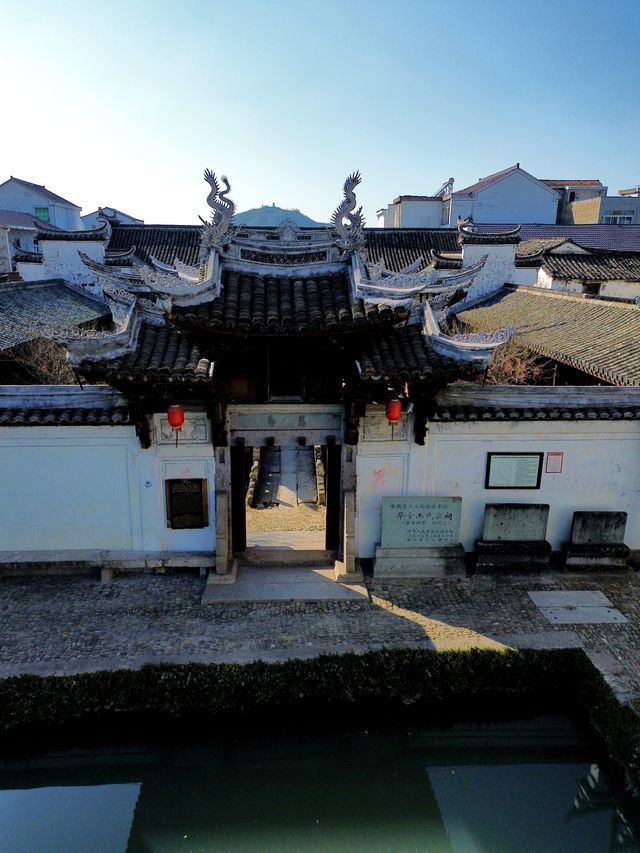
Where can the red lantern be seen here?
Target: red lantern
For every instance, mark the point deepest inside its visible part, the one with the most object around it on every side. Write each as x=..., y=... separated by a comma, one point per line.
x=175, y=416
x=394, y=411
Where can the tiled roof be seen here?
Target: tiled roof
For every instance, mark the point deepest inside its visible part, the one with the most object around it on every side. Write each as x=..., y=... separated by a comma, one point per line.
x=399, y=247
x=164, y=242
x=618, y=237
x=40, y=188
x=490, y=179
x=30, y=309
x=536, y=403
x=162, y=354
x=62, y=405
x=14, y=218
x=404, y=355
x=594, y=267
x=596, y=336
x=252, y=304
x=535, y=245
x=562, y=182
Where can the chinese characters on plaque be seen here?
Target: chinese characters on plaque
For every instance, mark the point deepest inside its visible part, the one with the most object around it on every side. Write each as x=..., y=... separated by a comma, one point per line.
x=420, y=522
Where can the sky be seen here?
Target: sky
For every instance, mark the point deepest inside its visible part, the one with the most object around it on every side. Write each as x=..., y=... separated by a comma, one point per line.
x=124, y=103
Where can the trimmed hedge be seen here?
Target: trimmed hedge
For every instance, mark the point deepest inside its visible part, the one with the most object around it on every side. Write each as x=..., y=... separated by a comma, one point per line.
x=425, y=681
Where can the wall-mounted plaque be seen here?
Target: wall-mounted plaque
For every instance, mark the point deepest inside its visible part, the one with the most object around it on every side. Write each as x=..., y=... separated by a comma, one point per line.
x=420, y=522
x=513, y=470
x=186, y=503
x=194, y=430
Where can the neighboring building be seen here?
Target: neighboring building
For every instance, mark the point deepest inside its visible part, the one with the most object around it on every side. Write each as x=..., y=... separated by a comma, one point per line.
x=41, y=203
x=574, y=190
x=270, y=216
x=290, y=338
x=632, y=192
x=606, y=210
x=511, y=195
x=18, y=233
x=117, y=217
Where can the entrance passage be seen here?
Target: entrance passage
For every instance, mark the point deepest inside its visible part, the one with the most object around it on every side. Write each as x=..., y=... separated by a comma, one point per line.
x=283, y=498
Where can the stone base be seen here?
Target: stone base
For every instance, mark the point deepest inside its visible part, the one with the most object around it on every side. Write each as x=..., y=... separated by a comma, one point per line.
x=418, y=562
x=341, y=575
x=596, y=558
x=516, y=557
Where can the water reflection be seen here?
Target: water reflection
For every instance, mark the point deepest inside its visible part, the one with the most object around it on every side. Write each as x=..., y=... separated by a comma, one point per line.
x=522, y=786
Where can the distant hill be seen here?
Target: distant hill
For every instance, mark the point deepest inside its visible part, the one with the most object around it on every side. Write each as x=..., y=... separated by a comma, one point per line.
x=268, y=215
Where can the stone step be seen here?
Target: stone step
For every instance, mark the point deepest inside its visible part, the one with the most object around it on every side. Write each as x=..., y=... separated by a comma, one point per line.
x=285, y=556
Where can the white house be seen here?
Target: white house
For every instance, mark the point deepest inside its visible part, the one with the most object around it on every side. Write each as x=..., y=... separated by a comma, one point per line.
x=41, y=203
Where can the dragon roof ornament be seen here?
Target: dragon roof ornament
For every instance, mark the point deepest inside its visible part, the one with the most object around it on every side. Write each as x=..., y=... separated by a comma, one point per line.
x=220, y=224
x=350, y=232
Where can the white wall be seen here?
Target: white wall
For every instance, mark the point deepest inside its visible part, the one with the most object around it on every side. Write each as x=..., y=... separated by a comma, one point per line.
x=426, y=213
x=75, y=488
x=616, y=289
x=60, y=259
x=514, y=198
x=601, y=471
x=68, y=487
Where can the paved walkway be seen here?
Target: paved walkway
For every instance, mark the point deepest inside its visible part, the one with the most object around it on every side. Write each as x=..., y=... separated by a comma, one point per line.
x=76, y=624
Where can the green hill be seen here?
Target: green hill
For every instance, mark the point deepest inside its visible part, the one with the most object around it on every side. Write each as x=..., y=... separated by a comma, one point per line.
x=269, y=215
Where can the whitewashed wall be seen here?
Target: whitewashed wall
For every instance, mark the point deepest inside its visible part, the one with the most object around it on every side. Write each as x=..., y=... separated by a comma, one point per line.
x=69, y=488
x=423, y=213
x=75, y=488
x=514, y=198
x=60, y=259
x=615, y=288
x=601, y=471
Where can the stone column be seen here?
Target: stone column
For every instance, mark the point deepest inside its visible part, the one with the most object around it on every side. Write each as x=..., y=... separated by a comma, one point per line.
x=346, y=568
x=224, y=555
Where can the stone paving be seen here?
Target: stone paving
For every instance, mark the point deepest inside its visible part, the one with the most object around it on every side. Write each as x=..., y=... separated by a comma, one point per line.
x=76, y=624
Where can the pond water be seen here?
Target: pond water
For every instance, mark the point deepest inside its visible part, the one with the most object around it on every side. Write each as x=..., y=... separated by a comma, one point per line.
x=492, y=788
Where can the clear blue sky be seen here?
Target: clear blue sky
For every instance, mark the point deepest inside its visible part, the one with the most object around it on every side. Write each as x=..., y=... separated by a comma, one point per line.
x=125, y=103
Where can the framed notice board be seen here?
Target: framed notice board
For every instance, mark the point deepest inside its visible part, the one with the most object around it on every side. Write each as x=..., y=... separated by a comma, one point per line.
x=187, y=505
x=513, y=470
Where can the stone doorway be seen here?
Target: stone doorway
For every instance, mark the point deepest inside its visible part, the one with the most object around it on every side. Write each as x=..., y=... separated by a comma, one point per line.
x=285, y=427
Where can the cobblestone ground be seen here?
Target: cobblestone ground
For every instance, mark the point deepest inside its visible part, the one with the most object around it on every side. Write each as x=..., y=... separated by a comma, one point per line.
x=77, y=624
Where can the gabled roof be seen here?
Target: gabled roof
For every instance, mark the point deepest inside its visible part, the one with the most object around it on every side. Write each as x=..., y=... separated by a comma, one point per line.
x=40, y=188
x=482, y=183
x=596, y=336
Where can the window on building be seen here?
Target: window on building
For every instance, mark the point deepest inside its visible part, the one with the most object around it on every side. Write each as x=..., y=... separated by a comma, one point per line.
x=591, y=288
x=42, y=213
x=618, y=217
x=572, y=196
x=446, y=212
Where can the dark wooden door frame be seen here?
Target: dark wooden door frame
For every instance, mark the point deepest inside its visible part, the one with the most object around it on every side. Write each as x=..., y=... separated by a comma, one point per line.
x=238, y=509
x=333, y=488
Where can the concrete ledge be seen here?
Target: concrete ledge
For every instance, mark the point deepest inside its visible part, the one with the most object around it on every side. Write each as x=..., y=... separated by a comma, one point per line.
x=418, y=562
x=86, y=561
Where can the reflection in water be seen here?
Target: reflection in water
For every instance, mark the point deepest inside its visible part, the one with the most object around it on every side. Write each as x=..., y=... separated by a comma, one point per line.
x=523, y=786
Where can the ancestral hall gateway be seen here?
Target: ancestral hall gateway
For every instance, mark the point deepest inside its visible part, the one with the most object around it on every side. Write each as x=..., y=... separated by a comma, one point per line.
x=294, y=337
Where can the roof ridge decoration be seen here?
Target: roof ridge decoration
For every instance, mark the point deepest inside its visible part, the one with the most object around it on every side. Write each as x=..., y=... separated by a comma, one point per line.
x=51, y=232
x=476, y=347
x=412, y=280
x=468, y=233
x=350, y=233
x=220, y=224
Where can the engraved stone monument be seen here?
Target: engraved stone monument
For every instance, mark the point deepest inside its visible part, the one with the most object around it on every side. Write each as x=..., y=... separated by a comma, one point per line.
x=420, y=538
x=513, y=539
x=597, y=543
